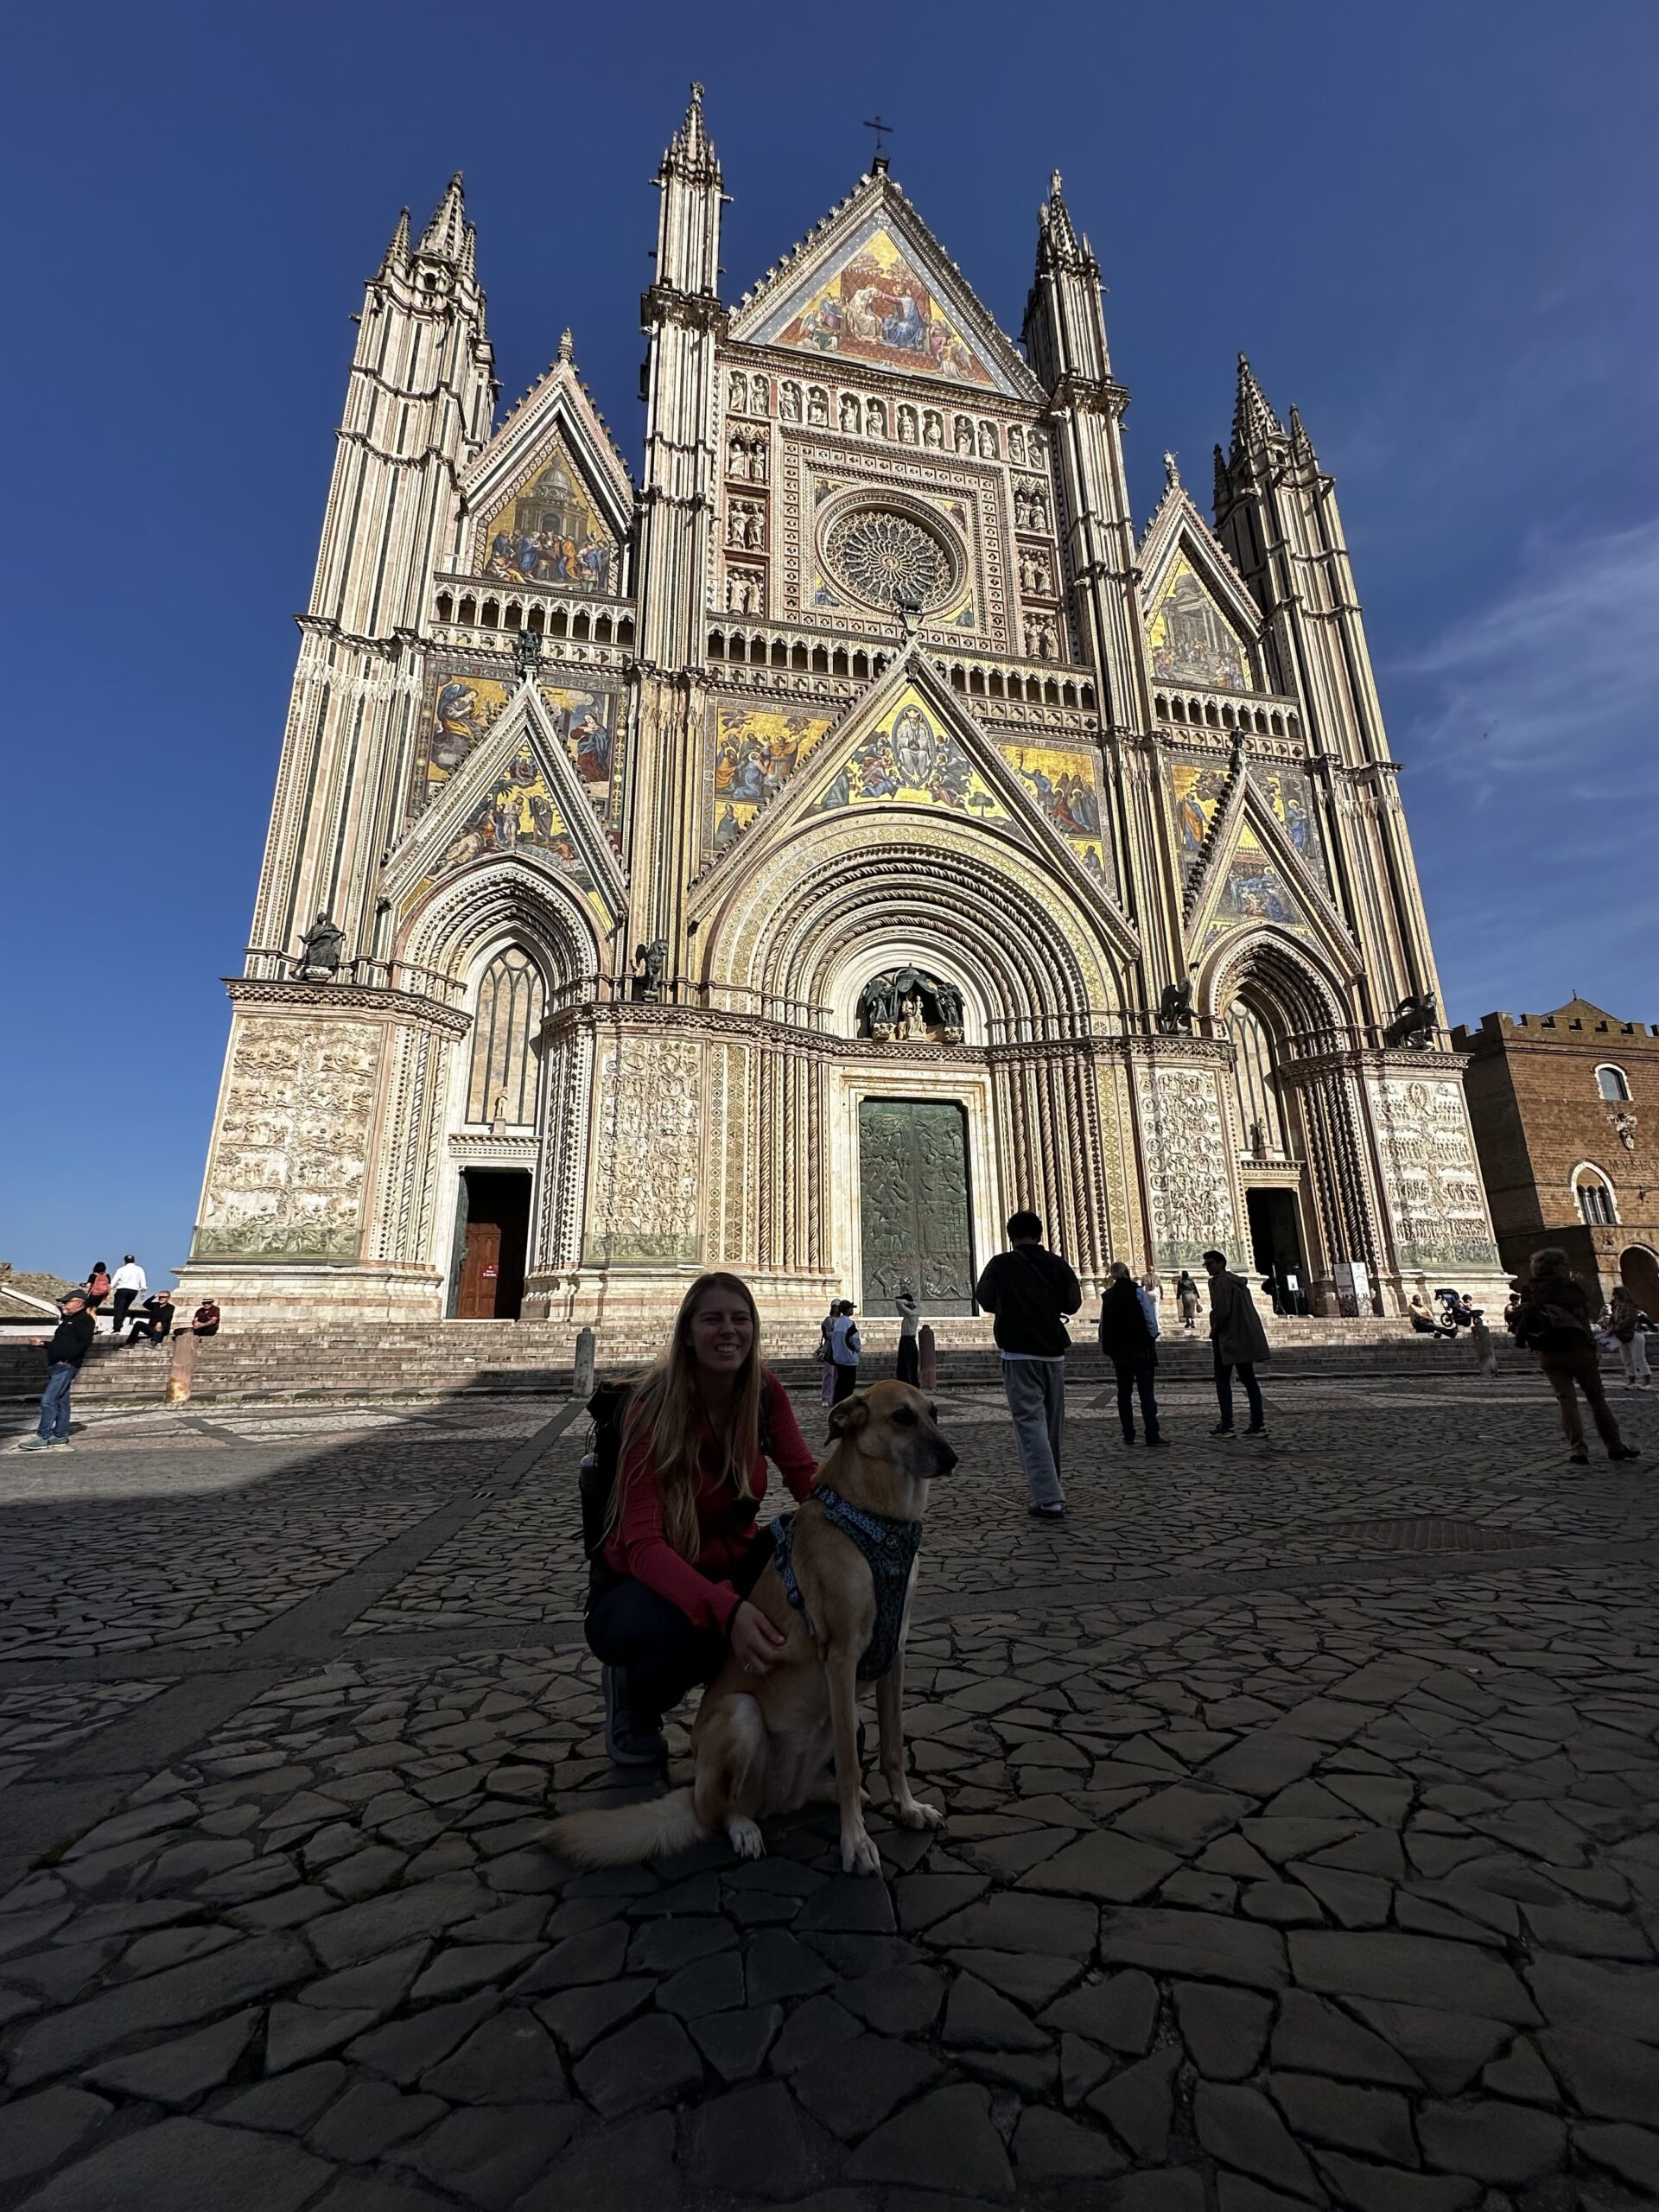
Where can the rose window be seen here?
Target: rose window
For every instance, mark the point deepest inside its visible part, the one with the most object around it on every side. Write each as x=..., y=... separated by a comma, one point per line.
x=890, y=560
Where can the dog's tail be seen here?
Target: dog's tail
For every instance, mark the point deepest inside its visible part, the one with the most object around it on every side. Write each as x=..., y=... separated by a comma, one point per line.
x=624, y=1835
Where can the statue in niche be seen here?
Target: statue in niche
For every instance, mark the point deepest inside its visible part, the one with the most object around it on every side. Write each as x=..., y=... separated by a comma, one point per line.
x=818, y=405
x=906, y=1006
x=320, y=949
x=789, y=403
x=1415, y=1019
x=933, y=428
x=907, y=431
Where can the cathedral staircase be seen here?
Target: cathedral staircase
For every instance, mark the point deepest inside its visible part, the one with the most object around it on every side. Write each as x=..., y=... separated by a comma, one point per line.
x=342, y=1362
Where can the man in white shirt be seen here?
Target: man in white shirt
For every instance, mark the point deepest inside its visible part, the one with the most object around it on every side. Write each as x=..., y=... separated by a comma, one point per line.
x=127, y=1285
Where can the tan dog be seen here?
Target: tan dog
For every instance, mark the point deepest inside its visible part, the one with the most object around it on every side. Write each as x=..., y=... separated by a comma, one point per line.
x=773, y=1743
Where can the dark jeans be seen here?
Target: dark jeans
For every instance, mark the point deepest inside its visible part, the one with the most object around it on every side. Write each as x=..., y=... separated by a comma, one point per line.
x=1133, y=1375
x=846, y=1384
x=909, y=1367
x=55, y=1403
x=1224, y=1370
x=118, y=1307
x=662, y=1653
x=1579, y=1364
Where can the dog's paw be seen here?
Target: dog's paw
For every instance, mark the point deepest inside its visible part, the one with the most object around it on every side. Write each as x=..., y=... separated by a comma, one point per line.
x=746, y=1839
x=916, y=1814
x=858, y=1855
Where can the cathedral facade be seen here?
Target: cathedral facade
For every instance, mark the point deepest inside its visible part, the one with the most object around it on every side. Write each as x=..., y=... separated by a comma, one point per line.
x=854, y=829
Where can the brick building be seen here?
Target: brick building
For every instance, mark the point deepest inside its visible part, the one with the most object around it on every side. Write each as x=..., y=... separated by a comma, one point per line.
x=1565, y=1112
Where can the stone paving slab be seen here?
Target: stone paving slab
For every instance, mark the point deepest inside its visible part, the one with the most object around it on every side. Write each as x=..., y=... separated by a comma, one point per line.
x=1277, y=1869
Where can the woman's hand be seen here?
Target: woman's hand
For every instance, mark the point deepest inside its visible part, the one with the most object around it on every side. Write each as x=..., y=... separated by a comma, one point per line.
x=755, y=1643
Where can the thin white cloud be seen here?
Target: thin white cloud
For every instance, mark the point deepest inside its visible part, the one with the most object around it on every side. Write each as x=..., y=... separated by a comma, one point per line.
x=1560, y=676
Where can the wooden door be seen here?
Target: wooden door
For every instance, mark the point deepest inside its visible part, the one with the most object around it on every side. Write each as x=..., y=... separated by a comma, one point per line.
x=480, y=1271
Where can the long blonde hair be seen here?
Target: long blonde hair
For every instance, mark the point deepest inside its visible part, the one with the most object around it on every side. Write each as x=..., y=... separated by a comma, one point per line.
x=668, y=1408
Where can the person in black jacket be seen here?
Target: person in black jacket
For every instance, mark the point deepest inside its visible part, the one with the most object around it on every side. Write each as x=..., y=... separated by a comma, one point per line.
x=70, y=1345
x=1127, y=1339
x=1030, y=1291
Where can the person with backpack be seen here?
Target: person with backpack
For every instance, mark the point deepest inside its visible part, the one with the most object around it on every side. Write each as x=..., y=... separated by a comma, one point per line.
x=1624, y=1315
x=1553, y=1319
x=1030, y=1290
x=845, y=1346
x=1129, y=1336
x=97, y=1289
x=1237, y=1339
x=676, y=1550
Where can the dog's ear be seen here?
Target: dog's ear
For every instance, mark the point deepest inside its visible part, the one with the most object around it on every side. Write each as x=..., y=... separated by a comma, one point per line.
x=850, y=1416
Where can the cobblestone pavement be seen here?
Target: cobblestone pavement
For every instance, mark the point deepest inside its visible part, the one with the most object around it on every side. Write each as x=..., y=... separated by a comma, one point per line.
x=1300, y=1846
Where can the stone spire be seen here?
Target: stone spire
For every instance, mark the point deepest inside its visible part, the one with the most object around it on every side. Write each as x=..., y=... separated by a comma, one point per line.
x=1065, y=330
x=688, y=228
x=1254, y=421
x=396, y=253
x=691, y=150
x=445, y=235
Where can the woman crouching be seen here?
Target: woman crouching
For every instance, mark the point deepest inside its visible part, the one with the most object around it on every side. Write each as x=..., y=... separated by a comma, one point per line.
x=682, y=1551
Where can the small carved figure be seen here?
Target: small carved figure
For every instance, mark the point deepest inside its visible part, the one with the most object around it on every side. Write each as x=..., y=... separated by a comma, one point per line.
x=1175, y=1008
x=1415, y=1019
x=848, y=411
x=759, y=395
x=319, y=950
x=758, y=451
x=1624, y=1129
x=736, y=460
x=875, y=419
x=988, y=441
x=737, y=393
x=933, y=428
x=789, y=402
x=1016, y=444
x=818, y=406
x=965, y=434
x=527, y=651
x=908, y=432
x=652, y=960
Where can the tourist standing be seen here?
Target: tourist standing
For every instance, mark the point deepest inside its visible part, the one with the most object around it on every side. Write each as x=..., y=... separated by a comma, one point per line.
x=1186, y=1293
x=1129, y=1336
x=1239, y=1342
x=845, y=1346
x=908, y=1367
x=1554, y=1320
x=825, y=1356
x=70, y=1343
x=97, y=1289
x=1030, y=1291
x=1486, y=1350
x=1623, y=1316
x=129, y=1284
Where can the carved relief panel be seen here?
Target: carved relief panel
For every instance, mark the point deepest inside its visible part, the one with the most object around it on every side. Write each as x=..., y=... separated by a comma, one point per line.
x=646, y=1206
x=291, y=1149
x=1431, y=1181
x=1189, y=1189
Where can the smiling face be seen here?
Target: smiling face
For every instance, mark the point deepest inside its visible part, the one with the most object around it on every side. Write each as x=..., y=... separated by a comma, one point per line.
x=721, y=1333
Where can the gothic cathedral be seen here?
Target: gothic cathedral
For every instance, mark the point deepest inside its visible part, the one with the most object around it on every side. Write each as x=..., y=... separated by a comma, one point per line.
x=853, y=831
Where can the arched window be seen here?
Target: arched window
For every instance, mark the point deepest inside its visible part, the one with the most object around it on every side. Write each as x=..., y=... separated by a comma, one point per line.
x=1612, y=1083
x=1261, y=1106
x=1594, y=1194
x=512, y=999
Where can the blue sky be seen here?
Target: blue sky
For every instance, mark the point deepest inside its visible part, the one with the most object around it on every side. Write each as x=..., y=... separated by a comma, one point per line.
x=1429, y=227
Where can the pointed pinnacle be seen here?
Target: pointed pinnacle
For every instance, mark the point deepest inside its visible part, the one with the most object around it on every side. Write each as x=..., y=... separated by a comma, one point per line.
x=443, y=236
x=470, y=250
x=1253, y=419
x=691, y=152
x=396, y=254
x=567, y=347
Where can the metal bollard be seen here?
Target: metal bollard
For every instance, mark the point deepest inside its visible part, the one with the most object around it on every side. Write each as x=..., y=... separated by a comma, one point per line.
x=927, y=1355
x=581, y=1382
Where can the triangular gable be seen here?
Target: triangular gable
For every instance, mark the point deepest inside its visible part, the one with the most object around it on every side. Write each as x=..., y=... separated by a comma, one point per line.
x=912, y=742
x=874, y=286
x=466, y=694
x=1253, y=876
x=1198, y=791
x=548, y=501
x=518, y=795
x=1201, y=620
x=1189, y=639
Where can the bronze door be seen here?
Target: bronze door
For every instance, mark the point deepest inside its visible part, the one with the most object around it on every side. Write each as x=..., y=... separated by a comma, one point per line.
x=912, y=1164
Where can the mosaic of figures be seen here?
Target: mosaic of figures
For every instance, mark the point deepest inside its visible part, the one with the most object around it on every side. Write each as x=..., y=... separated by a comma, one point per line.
x=910, y=762
x=1253, y=888
x=875, y=307
x=521, y=815
x=1063, y=784
x=1190, y=641
x=757, y=750
x=1288, y=791
x=464, y=706
x=549, y=533
x=1197, y=789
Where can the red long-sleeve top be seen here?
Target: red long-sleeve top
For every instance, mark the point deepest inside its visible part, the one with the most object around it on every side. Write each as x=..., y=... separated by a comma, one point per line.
x=725, y=1520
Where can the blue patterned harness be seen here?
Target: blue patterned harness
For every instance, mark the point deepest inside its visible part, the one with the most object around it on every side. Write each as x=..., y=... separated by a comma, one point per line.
x=888, y=1547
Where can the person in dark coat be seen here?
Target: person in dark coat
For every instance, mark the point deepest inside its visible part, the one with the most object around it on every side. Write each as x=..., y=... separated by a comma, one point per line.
x=69, y=1345
x=1554, y=1320
x=1030, y=1290
x=1128, y=1338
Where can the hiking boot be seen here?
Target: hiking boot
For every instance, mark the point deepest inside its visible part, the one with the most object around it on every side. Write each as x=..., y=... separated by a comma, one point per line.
x=626, y=1741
